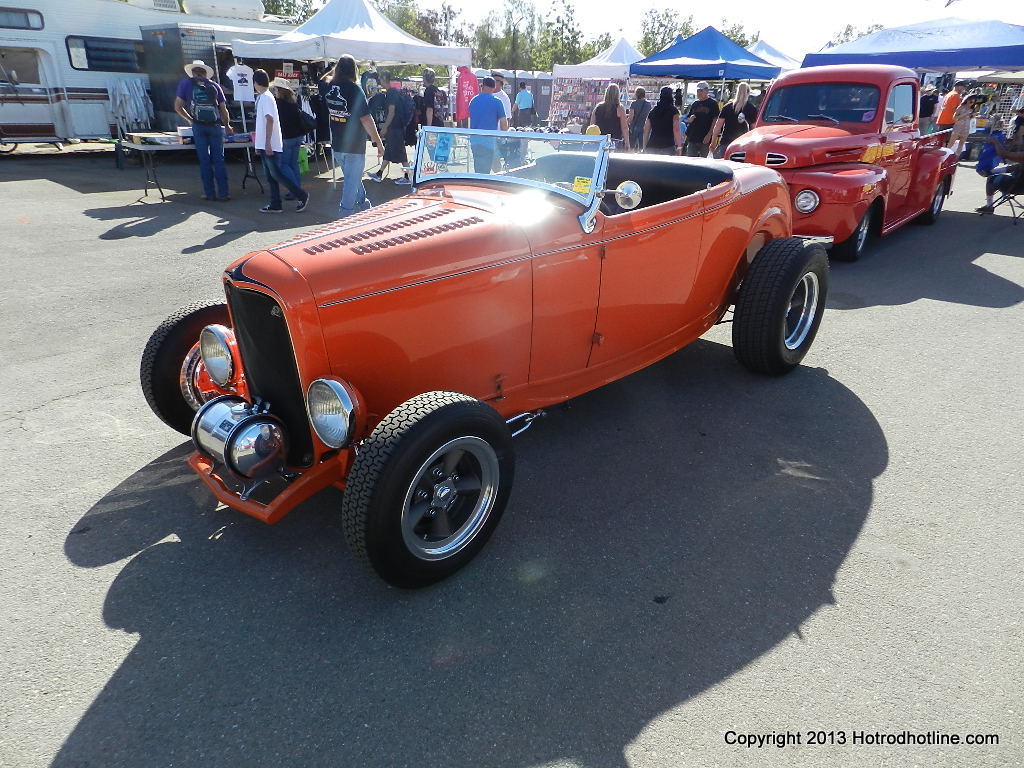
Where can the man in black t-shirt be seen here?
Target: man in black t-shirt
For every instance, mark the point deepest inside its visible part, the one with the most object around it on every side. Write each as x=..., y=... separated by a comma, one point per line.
x=432, y=112
x=700, y=118
x=350, y=123
x=929, y=100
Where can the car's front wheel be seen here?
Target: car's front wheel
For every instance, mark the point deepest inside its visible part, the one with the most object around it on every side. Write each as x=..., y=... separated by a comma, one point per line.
x=779, y=306
x=852, y=248
x=428, y=488
x=170, y=361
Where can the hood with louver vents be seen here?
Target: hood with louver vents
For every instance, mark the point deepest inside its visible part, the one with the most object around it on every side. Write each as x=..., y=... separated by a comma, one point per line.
x=402, y=243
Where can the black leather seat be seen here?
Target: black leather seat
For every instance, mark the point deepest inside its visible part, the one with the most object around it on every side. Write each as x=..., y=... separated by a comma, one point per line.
x=663, y=178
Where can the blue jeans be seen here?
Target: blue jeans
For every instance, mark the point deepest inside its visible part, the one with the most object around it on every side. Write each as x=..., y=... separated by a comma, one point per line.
x=290, y=159
x=209, y=141
x=353, y=193
x=276, y=176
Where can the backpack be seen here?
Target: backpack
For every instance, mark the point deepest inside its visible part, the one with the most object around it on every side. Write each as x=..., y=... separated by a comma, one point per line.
x=204, y=103
x=441, y=111
x=408, y=110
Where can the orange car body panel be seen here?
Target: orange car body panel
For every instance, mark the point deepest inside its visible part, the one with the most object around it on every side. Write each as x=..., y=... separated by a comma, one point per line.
x=852, y=165
x=443, y=290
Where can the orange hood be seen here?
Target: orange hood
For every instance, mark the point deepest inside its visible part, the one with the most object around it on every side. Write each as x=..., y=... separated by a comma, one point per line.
x=802, y=146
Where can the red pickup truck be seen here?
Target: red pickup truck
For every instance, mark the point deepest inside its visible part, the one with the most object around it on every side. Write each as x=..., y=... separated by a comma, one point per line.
x=846, y=140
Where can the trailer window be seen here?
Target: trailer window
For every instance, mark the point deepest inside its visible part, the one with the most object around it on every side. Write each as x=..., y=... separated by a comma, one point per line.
x=105, y=54
x=18, y=18
x=19, y=65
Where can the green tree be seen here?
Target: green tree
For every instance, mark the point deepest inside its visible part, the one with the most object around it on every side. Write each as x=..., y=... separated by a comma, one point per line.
x=659, y=28
x=593, y=47
x=850, y=33
x=561, y=40
x=738, y=35
x=509, y=38
x=296, y=10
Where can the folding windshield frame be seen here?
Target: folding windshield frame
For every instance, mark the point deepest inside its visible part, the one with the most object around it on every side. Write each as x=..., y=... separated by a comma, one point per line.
x=600, y=145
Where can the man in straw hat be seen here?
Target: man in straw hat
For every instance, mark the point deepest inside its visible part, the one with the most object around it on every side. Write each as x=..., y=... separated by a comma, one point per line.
x=201, y=102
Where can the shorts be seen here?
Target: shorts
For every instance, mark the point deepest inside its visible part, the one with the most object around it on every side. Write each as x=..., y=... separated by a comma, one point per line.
x=394, y=148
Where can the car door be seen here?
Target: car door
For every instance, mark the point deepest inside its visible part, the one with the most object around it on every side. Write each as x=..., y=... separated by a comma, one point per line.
x=897, y=157
x=649, y=258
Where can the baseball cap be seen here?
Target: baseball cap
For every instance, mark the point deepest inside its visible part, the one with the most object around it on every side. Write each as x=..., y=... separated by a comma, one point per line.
x=702, y=86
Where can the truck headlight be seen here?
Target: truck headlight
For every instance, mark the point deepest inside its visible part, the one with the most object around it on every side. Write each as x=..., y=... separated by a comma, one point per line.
x=215, y=347
x=332, y=411
x=806, y=200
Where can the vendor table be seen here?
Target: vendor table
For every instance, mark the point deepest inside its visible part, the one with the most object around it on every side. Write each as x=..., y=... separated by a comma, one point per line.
x=148, y=152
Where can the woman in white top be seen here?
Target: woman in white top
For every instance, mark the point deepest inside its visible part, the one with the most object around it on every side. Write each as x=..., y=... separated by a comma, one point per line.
x=270, y=146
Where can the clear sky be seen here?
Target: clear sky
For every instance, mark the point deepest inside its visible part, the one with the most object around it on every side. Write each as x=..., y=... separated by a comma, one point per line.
x=795, y=28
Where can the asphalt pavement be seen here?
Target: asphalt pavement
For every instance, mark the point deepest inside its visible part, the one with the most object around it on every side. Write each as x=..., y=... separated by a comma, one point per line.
x=691, y=556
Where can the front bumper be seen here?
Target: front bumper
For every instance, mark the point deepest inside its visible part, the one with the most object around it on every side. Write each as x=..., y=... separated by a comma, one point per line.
x=825, y=240
x=332, y=471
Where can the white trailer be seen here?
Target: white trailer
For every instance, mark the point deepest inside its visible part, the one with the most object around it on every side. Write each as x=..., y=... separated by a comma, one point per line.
x=58, y=57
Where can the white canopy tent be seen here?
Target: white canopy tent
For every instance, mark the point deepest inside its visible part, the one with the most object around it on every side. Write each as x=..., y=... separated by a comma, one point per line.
x=610, y=64
x=354, y=27
x=773, y=55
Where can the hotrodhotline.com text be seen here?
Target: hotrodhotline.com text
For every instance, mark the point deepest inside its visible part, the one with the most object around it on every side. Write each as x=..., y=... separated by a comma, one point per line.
x=814, y=738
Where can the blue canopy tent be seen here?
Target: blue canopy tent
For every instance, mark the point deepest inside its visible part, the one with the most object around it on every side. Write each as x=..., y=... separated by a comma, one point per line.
x=707, y=55
x=943, y=45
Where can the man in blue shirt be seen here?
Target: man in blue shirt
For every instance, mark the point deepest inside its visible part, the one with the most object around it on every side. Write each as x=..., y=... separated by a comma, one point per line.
x=486, y=113
x=523, y=109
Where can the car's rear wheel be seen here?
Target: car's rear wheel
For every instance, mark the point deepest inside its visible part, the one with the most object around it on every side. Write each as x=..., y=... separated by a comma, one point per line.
x=169, y=361
x=852, y=248
x=780, y=305
x=428, y=488
x=935, y=208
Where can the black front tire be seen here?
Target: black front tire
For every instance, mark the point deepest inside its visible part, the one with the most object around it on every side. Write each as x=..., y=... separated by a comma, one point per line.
x=780, y=305
x=852, y=248
x=935, y=207
x=428, y=488
x=164, y=355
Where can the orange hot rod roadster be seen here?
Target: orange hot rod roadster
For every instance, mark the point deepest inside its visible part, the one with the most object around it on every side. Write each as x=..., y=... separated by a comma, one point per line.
x=396, y=352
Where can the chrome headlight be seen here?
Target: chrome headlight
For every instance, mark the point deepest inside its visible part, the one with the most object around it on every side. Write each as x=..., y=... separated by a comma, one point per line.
x=332, y=411
x=215, y=347
x=806, y=200
x=251, y=443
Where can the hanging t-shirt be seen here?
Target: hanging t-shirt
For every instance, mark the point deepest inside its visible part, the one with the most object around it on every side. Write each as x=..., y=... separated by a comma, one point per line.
x=468, y=87
x=241, y=79
x=346, y=105
x=267, y=107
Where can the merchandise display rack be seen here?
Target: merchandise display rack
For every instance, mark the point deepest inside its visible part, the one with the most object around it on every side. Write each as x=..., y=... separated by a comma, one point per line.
x=574, y=98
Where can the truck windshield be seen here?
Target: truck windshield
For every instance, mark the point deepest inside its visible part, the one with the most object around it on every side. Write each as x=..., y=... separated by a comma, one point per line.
x=824, y=102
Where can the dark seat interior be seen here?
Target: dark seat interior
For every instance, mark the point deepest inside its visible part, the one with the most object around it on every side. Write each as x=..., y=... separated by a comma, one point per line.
x=662, y=178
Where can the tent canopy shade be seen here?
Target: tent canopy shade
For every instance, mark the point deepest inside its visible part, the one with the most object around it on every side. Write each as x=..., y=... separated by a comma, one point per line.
x=356, y=28
x=943, y=45
x=707, y=55
x=764, y=50
x=611, y=63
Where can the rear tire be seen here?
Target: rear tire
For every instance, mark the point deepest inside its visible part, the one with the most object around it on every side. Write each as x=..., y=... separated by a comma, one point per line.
x=165, y=353
x=428, y=488
x=780, y=305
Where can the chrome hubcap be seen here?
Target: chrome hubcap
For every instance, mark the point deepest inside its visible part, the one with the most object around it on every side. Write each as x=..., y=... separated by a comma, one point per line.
x=862, y=231
x=803, y=306
x=450, y=498
x=937, y=200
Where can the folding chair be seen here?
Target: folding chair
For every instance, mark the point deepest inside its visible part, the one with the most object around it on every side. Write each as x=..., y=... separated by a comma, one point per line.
x=1009, y=197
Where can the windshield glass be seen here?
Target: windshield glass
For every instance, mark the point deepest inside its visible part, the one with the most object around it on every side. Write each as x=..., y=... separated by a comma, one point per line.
x=572, y=165
x=822, y=102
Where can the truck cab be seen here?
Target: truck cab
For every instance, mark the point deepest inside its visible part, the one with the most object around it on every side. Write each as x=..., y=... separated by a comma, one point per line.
x=846, y=139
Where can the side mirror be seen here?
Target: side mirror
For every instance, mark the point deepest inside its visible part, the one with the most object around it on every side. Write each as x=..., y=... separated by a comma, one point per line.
x=13, y=77
x=628, y=195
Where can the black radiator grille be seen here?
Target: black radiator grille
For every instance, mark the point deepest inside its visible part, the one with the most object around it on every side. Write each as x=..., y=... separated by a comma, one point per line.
x=269, y=363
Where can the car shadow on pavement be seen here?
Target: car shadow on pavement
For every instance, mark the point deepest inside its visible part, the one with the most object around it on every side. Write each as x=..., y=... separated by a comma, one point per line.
x=939, y=262
x=664, y=531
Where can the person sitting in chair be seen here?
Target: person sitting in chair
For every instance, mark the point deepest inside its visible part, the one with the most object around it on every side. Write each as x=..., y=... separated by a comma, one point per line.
x=1006, y=179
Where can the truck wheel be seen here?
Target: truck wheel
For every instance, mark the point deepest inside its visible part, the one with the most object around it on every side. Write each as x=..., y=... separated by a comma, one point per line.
x=852, y=247
x=780, y=305
x=428, y=488
x=932, y=214
x=168, y=387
